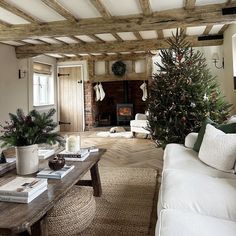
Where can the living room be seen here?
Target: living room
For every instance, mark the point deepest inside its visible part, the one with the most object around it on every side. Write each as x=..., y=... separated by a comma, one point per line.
x=86, y=44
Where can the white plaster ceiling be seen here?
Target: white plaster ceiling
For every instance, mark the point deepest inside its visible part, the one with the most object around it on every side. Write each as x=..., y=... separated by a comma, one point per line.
x=85, y=38
x=110, y=53
x=66, y=39
x=148, y=34
x=32, y=41
x=162, y=5
x=80, y=8
x=125, y=53
x=70, y=55
x=106, y=37
x=11, y=18
x=127, y=36
x=83, y=54
x=205, y=2
x=13, y=43
x=49, y=40
x=122, y=7
x=169, y=32
x=37, y=9
x=96, y=54
x=54, y=55
x=196, y=30
x=215, y=29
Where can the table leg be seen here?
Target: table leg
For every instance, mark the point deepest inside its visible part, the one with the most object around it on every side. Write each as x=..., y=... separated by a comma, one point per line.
x=40, y=227
x=96, y=182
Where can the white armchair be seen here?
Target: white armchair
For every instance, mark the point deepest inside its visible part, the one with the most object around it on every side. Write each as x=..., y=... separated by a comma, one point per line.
x=139, y=125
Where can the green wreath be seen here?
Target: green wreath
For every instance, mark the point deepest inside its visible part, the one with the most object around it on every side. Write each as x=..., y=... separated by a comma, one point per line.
x=119, y=68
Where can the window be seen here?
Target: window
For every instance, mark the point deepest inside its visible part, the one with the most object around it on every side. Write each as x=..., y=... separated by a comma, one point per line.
x=43, y=89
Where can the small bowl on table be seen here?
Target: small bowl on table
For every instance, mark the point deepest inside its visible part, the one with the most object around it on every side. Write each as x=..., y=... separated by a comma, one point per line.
x=56, y=163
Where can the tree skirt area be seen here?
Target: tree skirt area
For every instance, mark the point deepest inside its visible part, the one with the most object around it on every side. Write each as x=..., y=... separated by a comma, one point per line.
x=127, y=202
x=126, y=134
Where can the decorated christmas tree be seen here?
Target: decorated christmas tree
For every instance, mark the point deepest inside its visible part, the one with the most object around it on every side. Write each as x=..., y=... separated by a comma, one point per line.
x=182, y=94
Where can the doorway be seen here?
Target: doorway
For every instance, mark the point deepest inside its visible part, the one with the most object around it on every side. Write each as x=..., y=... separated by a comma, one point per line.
x=71, y=98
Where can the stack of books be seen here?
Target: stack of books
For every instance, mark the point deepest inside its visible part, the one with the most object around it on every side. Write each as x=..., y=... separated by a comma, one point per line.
x=21, y=189
x=55, y=174
x=75, y=156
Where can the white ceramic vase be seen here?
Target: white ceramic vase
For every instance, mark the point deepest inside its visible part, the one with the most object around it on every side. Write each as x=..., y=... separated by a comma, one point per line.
x=27, y=160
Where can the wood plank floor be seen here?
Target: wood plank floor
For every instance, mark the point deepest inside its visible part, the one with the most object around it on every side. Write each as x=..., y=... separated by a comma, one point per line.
x=122, y=152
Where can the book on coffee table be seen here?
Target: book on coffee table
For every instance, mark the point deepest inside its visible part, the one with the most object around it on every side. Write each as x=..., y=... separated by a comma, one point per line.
x=21, y=189
x=75, y=156
x=45, y=153
x=55, y=174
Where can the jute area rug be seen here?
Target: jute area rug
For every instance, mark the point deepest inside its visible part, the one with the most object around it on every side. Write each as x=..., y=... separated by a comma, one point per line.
x=127, y=203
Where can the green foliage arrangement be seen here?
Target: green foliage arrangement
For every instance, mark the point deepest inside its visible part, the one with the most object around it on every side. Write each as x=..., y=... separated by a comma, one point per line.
x=119, y=68
x=182, y=94
x=34, y=128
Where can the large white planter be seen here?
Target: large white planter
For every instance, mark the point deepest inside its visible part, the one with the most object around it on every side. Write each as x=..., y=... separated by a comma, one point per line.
x=27, y=160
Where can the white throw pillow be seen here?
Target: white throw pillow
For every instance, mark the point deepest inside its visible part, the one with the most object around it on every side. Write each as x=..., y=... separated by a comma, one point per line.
x=218, y=149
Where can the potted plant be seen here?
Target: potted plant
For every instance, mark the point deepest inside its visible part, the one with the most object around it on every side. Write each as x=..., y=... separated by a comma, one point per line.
x=25, y=132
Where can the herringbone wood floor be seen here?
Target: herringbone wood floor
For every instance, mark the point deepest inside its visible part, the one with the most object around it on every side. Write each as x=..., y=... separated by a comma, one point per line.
x=121, y=152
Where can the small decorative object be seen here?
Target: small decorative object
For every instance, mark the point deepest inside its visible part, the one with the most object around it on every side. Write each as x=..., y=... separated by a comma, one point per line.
x=2, y=158
x=119, y=68
x=25, y=132
x=56, y=163
x=73, y=144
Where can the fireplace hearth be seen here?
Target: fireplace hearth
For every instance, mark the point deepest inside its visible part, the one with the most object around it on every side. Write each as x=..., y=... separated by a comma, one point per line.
x=124, y=113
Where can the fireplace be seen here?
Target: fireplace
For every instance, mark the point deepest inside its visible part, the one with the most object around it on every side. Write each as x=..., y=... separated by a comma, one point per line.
x=124, y=113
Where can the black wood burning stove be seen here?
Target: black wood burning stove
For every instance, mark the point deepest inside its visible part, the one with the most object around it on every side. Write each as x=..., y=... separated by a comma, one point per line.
x=124, y=113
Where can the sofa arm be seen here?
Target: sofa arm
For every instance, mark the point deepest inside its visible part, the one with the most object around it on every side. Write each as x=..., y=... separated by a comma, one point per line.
x=190, y=140
x=140, y=116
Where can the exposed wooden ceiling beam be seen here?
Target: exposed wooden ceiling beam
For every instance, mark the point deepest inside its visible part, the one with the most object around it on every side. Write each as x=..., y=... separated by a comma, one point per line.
x=207, y=29
x=118, y=38
x=210, y=14
x=101, y=8
x=138, y=35
x=60, y=9
x=3, y=23
x=18, y=12
x=94, y=37
x=223, y=28
x=76, y=39
x=146, y=8
x=129, y=46
x=190, y=4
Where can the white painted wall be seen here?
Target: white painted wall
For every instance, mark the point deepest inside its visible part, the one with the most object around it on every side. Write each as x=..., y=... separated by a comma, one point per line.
x=13, y=91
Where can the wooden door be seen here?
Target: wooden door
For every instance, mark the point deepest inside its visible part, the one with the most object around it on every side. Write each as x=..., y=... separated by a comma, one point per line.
x=70, y=99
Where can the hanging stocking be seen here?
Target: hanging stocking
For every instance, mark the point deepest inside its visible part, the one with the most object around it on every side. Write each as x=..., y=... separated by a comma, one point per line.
x=98, y=96
x=102, y=93
x=144, y=88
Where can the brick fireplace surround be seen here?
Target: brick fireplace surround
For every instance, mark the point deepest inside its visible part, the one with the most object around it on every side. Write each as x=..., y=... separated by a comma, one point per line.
x=115, y=94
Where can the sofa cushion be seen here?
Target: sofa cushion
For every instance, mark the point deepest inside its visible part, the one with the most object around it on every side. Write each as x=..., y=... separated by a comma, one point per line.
x=227, y=128
x=190, y=140
x=178, y=157
x=218, y=149
x=180, y=223
x=199, y=194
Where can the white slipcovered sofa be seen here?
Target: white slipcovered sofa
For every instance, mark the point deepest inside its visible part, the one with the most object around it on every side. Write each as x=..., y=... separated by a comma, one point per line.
x=194, y=198
x=139, y=125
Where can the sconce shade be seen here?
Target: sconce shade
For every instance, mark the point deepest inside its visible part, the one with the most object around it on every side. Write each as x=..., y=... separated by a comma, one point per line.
x=215, y=56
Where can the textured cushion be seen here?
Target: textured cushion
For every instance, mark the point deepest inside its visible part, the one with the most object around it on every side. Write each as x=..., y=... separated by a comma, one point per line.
x=179, y=223
x=218, y=149
x=227, y=128
x=139, y=123
x=190, y=140
x=178, y=157
x=199, y=194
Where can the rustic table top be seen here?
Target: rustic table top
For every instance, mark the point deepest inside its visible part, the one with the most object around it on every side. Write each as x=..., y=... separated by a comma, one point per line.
x=17, y=217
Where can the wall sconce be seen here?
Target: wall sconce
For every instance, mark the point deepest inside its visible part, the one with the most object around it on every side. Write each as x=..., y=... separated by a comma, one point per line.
x=216, y=59
x=22, y=74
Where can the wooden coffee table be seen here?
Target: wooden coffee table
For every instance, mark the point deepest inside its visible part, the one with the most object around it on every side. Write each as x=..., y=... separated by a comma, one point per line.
x=20, y=219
